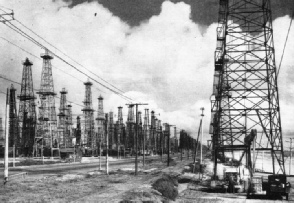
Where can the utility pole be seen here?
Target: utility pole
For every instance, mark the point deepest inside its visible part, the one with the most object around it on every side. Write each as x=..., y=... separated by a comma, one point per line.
x=6, y=140
x=167, y=128
x=4, y=20
x=136, y=141
x=290, y=156
x=106, y=134
x=202, y=115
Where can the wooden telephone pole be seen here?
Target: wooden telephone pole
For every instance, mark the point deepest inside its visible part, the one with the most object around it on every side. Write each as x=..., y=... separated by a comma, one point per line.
x=136, y=141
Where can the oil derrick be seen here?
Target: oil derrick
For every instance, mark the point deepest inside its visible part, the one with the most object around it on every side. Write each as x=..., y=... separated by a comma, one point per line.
x=160, y=136
x=88, y=138
x=140, y=131
x=130, y=127
x=119, y=135
x=69, y=124
x=13, y=125
x=147, y=129
x=47, y=121
x=27, y=110
x=174, y=141
x=100, y=122
x=245, y=94
x=78, y=132
x=64, y=140
x=176, y=146
x=153, y=132
x=111, y=130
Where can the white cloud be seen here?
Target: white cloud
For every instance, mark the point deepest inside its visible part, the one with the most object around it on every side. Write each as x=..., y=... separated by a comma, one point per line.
x=166, y=62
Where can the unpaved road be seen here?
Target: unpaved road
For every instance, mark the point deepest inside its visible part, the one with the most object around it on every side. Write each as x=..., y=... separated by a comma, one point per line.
x=77, y=167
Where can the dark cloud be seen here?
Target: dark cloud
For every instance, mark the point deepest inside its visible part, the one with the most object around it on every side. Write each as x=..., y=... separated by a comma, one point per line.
x=204, y=12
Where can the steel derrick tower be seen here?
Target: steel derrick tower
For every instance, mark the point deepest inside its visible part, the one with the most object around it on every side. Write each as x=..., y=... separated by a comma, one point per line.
x=88, y=138
x=47, y=121
x=27, y=110
x=245, y=91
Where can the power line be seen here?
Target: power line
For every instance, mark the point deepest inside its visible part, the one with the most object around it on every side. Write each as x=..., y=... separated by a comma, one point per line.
x=41, y=59
x=21, y=32
x=67, y=55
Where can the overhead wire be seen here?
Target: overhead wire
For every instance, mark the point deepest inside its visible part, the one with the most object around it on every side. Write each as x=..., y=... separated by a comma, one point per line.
x=11, y=26
x=41, y=59
x=67, y=55
x=22, y=33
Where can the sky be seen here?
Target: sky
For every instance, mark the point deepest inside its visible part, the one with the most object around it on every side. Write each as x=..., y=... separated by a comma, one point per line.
x=158, y=52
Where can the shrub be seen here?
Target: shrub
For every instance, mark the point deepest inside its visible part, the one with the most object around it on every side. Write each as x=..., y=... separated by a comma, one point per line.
x=166, y=186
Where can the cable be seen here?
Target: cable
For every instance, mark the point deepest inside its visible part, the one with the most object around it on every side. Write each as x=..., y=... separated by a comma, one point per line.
x=285, y=44
x=67, y=55
x=21, y=32
x=13, y=27
x=41, y=59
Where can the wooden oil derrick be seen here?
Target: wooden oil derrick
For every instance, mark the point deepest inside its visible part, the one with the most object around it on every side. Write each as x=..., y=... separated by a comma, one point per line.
x=64, y=137
x=27, y=111
x=13, y=124
x=47, y=120
x=88, y=138
x=100, y=139
x=131, y=128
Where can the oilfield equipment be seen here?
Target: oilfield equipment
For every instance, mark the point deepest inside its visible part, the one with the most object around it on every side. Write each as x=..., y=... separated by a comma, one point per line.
x=245, y=110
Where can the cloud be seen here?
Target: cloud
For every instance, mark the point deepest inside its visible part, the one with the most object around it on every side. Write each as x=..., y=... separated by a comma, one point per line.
x=167, y=61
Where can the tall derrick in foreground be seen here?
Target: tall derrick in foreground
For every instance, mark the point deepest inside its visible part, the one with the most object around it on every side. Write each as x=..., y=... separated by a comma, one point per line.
x=47, y=120
x=13, y=124
x=64, y=139
x=27, y=110
x=245, y=100
x=88, y=137
x=100, y=121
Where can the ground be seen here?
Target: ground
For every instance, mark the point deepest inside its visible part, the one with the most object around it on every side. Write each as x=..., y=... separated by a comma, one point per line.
x=121, y=185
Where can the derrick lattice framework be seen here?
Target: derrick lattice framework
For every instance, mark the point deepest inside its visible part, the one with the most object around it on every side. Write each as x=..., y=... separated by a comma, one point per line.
x=88, y=137
x=100, y=121
x=131, y=127
x=47, y=120
x=13, y=125
x=27, y=110
x=64, y=121
x=245, y=97
x=120, y=135
x=146, y=128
